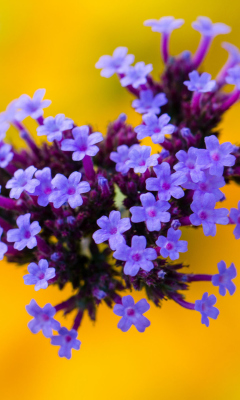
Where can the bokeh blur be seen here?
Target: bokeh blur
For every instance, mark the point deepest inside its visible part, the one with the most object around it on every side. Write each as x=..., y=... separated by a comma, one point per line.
x=55, y=45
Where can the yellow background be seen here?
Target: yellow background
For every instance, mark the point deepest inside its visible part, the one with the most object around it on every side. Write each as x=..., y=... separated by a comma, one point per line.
x=55, y=44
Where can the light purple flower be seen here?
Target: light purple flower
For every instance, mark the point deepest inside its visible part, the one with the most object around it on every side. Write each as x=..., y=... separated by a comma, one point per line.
x=204, y=214
x=205, y=307
x=21, y=181
x=155, y=127
x=147, y=103
x=3, y=246
x=83, y=143
x=131, y=314
x=153, y=212
x=216, y=156
x=39, y=274
x=233, y=77
x=112, y=229
x=164, y=24
x=207, y=184
x=136, y=75
x=140, y=159
x=205, y=26
x=161, y=274
x=224, y=278
x=67, y=340
x=32, y=107
x=166, y=184
x=171, y=246
x=120, y=157
x=99, y=294
x=235, y=217
x=118, y=62
x=137, y=256
x=43, y=319
x=6, y=154
x=9, y=115
x=68, y=190
x=4, y=126
x=25, y=235
x=45, y=188
x=234, y=52
x=187, y=164
x=54, y=127
x=200, y=83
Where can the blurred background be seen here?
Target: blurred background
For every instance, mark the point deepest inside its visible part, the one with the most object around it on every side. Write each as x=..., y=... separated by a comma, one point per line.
x=55, y=45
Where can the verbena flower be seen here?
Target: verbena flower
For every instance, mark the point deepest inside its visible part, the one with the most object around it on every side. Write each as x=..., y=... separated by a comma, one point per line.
x=224, y=278
x=140, y=159
x=32, y=107
x=171, y=246
x=43, y=319
x=155, y=127
x=200, y=84
x=22, y=180
x=164, y=24
x=6, y=155
x=45, y=187
x=67, y=340
x=148, y=103
x=120, y=157
x=205, y=307
x=24, y=236
x=207, y=28
x=136, y=75
x=233, y=76
x=187, y=164
x=235, y=217
x=39, y=274
x=131, y=314
x=118, y=62
x=53, y=128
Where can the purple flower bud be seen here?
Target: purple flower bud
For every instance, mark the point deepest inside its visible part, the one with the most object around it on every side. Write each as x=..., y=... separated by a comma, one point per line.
x=155, y=127
x=67, y=340
x=205, y=307
x=39, y=275
x=161, y=274
x=171, y=246
x=25, y=235
x=118, y=62
x=43, y=319
x=164, y=24
x=136, y=75
x=200, y=83
x=54, y=127
x=147, y=103
x=224, y=278
x=32, y=107
x=131, y=314
x=21, y=181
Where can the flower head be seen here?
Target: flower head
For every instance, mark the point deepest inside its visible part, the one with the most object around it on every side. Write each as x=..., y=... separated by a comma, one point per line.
x=137, y=256
x=131, y=314
x=83, y=144
x=171, y=246
x=67, y=340
x=116, y=63
x=21, y=181
x=3, y=246
x=148, y=103
x=164, y=24
x=152, y=212
x=224, y=278
x=140, y=159
x=205, y=307
x=54, y=127
x=136, y=75
x=200, y=83
x=39, y=274
x=205, y=26
x=68, y=190
x=155, y=127
x=120, y=157
x=112, y=229
x=32, y=107
x=43, y=319
x=25, y=234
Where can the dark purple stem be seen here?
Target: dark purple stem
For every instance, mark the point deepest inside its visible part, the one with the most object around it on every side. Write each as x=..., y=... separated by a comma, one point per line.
x=183, y=303
x=40, y=120
x=199, y=277
x=26, y=136
x=65, y=304
x=196, y=101
x=8, y=204
x=88, y=167
x=201, y=51
x=164, y=47
x=5, y=225
x=78, y=320
x=42, y=246
x=234, y=96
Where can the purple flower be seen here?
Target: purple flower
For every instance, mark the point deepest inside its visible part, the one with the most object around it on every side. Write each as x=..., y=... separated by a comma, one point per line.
x=216, y=156
x=54, y=127
x=204, y=214
x=149, y=103
x=200, y=83
x=166, y=184
x=118, y=62
x=112, y=229
x=82, y=144
x=161, y=274
x=207, y=184
x=155, y=127
x=234, y=52
x=171, y=246
x=32, y=107
x=3, y=246
x=224, y=278
x=164, y=24
x=136, y=75
x=9, y=115
x=233, y=77
x=39, y=275
x=187, y=164
x=140, y=159
x=136, y=256
x=120, y=157
x=67, y=340
x=4, y=126
x=43, y=319
x=5, y=155
x=235, y=217
x=131, y=314
x=45, y=188
x=205, y=307
x=68, y=190
x=21, y=181
x=99, y=294
x=205, y=26
x=153, y=212
x=25, y=235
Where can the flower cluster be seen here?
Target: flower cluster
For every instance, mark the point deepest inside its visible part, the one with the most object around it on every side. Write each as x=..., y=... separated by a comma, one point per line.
x=64, y=196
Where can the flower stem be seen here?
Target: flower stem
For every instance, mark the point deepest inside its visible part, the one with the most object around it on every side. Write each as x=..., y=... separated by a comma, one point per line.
x=201, y=51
